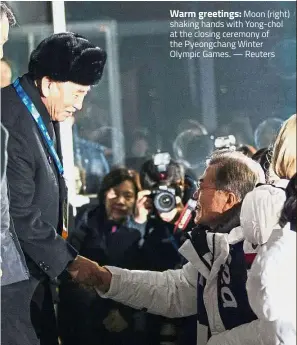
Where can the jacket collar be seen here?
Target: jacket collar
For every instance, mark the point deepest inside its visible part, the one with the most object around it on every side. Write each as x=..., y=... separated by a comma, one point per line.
x=225, y=223
x=95, y=219
x=31, y=89
x=228, y=220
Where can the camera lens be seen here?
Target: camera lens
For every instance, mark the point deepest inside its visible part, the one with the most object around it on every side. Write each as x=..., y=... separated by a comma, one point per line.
x=164, y=202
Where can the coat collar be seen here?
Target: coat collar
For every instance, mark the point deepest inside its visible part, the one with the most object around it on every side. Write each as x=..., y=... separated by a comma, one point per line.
x=33, y=92
x=227, y=232
x=228, y=220
x=95, y=219
x=31, y=89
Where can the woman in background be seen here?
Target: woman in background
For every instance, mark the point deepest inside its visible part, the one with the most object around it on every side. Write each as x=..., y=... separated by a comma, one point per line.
x=104, y=233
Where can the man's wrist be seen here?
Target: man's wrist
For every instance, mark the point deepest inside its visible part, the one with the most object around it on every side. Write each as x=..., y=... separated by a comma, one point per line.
x=106, y=279
x=65, y=275
x=71, y=262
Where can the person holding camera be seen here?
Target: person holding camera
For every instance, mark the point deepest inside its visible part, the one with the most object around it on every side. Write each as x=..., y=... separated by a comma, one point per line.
x=158, y=210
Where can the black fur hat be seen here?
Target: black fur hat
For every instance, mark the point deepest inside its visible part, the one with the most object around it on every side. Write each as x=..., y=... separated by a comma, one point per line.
x=67, y=57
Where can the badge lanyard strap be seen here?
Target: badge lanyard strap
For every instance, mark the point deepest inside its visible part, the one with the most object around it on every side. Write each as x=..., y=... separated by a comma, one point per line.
x=38, y=119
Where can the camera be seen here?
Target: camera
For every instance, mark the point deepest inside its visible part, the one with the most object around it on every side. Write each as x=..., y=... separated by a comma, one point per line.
x=163, y=199
x=162, y=195
x=227, y=142
x=163, y=177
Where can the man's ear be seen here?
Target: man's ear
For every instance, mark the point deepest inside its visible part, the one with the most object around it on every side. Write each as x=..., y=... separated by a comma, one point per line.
x=45, y=85
x=231, y=201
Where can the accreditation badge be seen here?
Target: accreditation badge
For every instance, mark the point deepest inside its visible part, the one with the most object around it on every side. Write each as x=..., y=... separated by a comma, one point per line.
x=65, y=219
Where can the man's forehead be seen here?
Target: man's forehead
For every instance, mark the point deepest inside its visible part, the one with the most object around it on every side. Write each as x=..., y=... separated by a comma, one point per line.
x=209, y=174
x=78, y=87
x=75, y=88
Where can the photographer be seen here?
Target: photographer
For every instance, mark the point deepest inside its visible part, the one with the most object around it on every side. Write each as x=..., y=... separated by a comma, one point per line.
x=158, y=209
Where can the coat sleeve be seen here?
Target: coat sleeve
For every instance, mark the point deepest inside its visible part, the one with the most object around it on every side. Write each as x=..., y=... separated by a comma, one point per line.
x=271, y=289
x=171, y=293
x=3, y=157
x=39, y=239
x=257, y=332
x=13, y=264
x=256, y=290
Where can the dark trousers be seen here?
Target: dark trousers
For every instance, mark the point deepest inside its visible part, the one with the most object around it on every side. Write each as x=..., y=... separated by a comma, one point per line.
x=28, y=316
x=43, y=314
x=16, y=325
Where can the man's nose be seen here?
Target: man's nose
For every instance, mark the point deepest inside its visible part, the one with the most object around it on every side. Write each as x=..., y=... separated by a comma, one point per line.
x=78, y=105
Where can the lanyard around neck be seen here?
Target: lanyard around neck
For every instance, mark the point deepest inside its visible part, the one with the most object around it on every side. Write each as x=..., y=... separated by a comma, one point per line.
x=38, y=119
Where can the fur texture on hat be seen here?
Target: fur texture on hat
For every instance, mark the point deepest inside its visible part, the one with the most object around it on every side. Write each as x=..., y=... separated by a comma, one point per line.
x=67, y=57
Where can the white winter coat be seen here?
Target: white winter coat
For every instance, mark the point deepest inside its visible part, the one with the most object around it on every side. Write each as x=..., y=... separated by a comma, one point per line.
x=271, y=283
x=173, y=293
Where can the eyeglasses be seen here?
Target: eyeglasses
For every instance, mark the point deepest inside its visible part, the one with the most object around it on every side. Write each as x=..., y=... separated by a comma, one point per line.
x=199, y=189
x=204, y=187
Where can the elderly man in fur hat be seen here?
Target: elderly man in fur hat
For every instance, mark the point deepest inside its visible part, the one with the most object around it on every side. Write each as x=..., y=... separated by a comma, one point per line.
x=62, y=70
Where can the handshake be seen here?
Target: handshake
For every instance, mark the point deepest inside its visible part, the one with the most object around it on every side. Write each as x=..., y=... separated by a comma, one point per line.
x=89, y=273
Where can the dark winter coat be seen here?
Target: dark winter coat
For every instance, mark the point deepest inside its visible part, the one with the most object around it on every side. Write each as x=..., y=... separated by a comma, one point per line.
x=81, y=312
x=36, y=195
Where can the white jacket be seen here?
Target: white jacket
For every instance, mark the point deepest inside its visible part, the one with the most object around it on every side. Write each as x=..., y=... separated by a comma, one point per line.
x=271, y=284
x=173, y=293
x=261, y=210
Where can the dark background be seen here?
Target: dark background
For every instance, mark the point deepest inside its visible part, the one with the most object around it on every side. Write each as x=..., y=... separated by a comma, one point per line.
x=157, y=92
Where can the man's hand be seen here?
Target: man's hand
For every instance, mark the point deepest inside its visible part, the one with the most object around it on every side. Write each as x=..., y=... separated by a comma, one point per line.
x=85, y=271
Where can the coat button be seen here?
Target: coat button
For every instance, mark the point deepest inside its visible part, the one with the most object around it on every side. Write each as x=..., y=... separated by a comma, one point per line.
x=49, y=158
x=43, y=266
